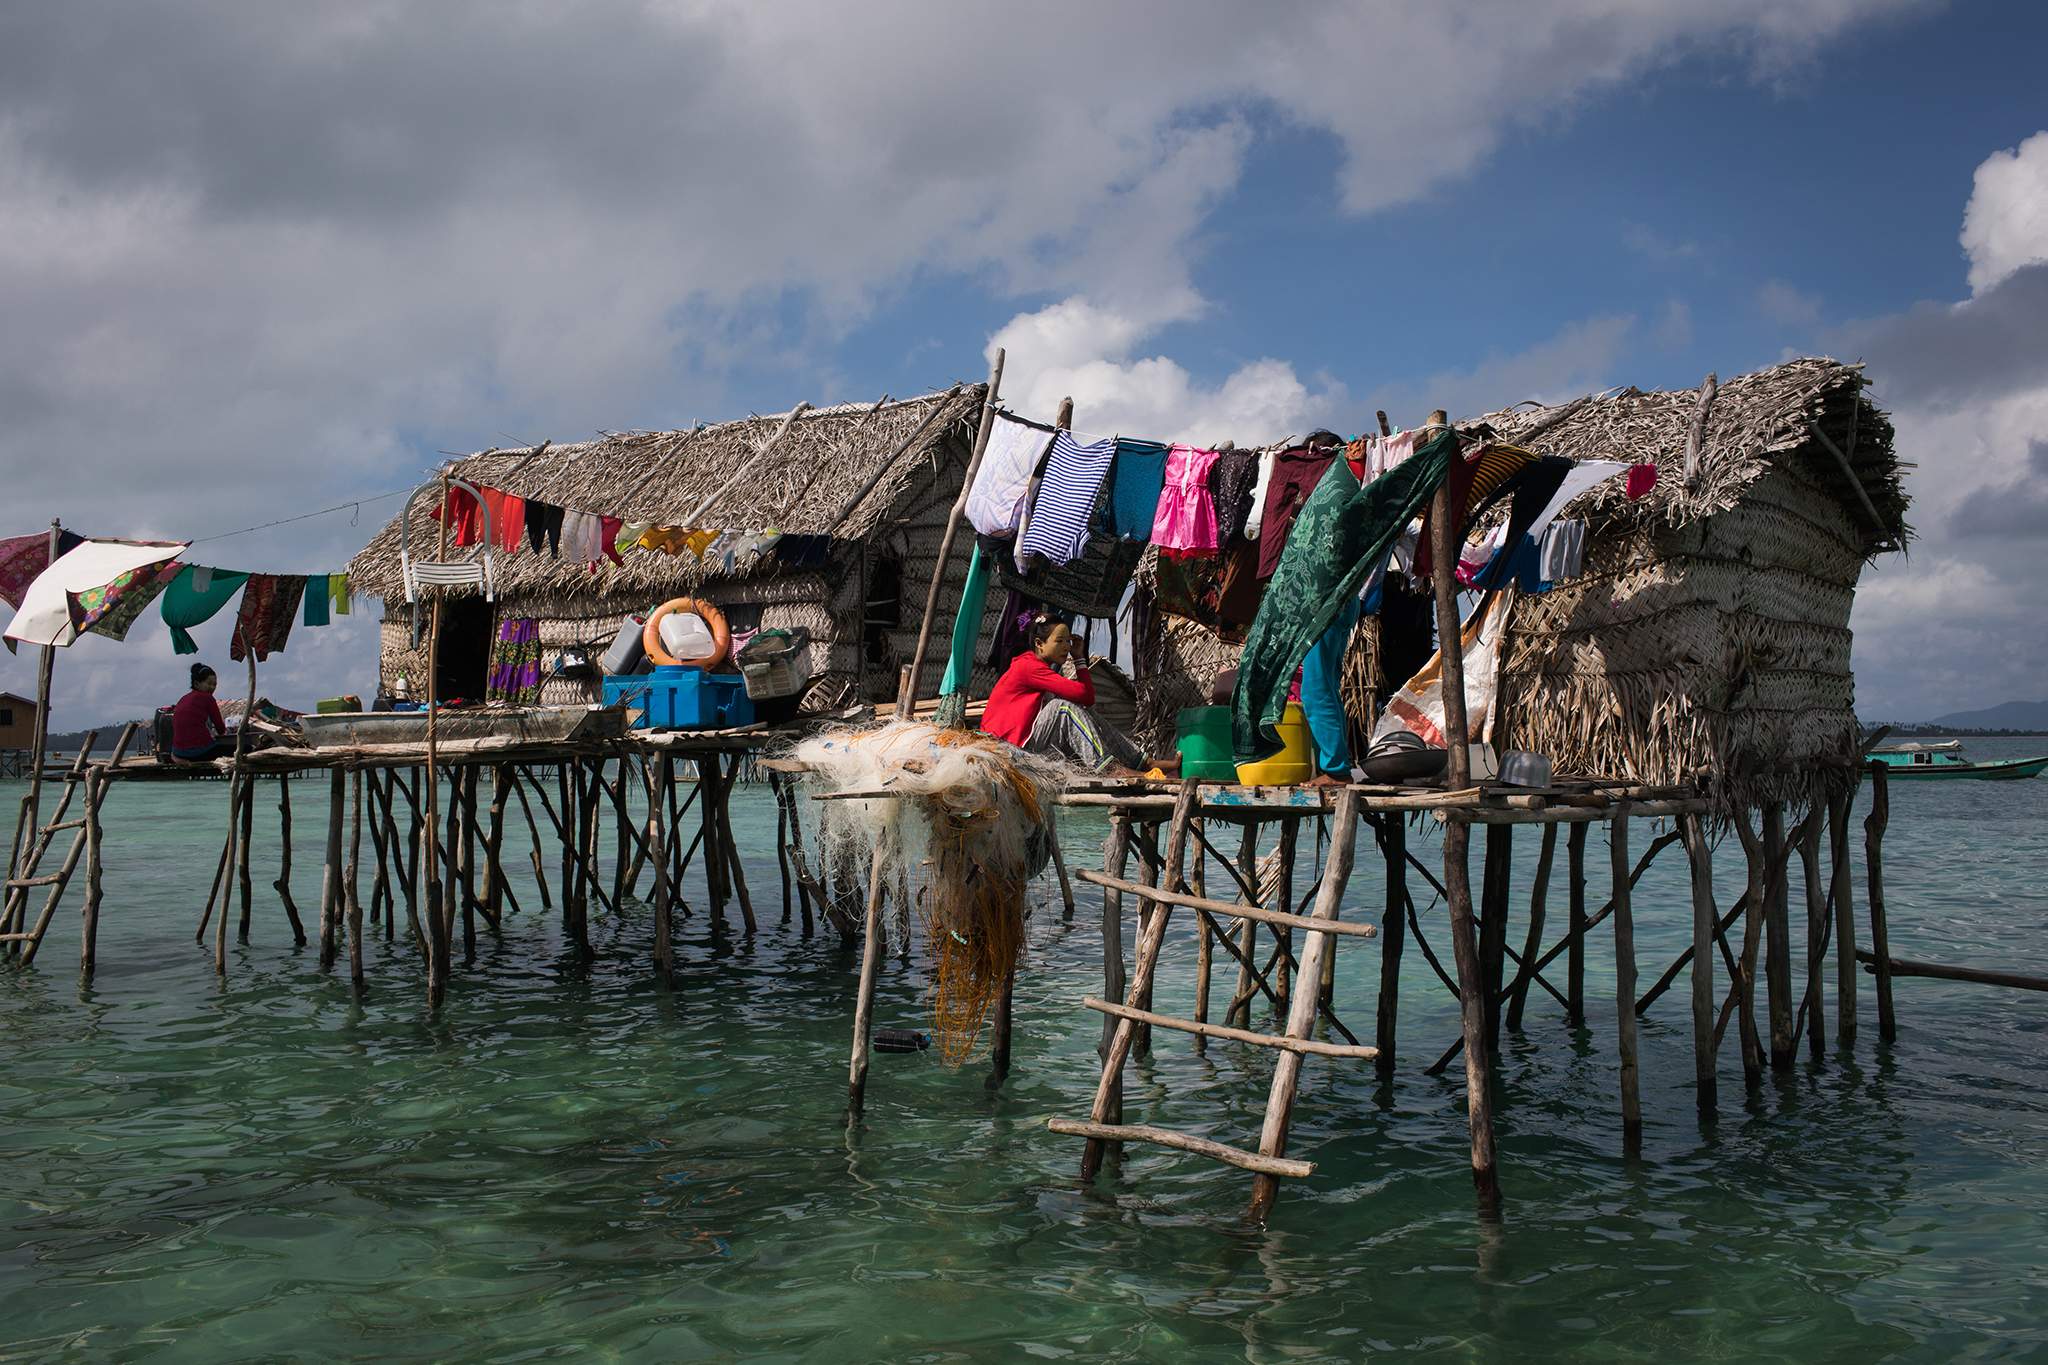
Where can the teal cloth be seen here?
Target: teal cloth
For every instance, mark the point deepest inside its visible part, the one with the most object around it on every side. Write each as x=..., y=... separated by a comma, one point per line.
x=1135, y=482
x=967, y=625
x=185, y=606
x=317, y=598
x=1343, y=532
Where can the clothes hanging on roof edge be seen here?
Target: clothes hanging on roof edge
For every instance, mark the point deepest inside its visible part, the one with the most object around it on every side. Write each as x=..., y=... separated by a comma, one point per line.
x=1134, y=484
x=1185, y=523
x=995, y=502
x=193, y=597
x=270, y=603
x=1064, y=512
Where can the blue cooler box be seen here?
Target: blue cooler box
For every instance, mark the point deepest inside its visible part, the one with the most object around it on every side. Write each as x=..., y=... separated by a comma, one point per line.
x=674, y=697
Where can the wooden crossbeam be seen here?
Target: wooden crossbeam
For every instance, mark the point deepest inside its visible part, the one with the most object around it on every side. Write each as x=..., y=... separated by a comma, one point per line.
x=1216, y=907
x=1311, y=1046
x=1216, y=1151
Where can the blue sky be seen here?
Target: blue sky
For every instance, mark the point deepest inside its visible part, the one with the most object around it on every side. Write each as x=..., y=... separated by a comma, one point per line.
x=258, y=261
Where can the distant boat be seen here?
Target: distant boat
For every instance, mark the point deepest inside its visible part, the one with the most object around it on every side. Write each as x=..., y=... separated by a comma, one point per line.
x=1946, y=760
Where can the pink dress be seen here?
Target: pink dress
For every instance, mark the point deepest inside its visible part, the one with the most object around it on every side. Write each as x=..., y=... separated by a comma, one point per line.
x=1185, y=524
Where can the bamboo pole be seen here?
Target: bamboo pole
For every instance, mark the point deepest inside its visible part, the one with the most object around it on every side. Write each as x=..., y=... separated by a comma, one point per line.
x=1456, y=848
x=494, y=847
x=1301, y=1014
x=1880, y=933
x=1493, y=922
x=1116, y=861
x=540, y=874
x=1625, y=980
x=283, y=884
x=735, y=871
x=95, y=791
x=906, y=698
x=38, y=747
x=331, y=903
x=657, y=837
x=35, y=843
x=1205, y=951
x=437, y=923
x=1745, y=977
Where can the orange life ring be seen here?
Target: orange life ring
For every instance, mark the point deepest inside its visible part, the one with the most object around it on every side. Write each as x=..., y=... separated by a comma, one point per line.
x=657, y=650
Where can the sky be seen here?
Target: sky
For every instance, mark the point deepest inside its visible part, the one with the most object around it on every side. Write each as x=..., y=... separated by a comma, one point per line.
x=260, y=258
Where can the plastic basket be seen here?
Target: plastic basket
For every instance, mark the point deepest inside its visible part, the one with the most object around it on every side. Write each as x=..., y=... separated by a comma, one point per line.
x=776, y=664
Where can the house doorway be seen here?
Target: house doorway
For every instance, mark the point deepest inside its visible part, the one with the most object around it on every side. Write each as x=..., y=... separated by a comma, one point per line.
x=463, y=668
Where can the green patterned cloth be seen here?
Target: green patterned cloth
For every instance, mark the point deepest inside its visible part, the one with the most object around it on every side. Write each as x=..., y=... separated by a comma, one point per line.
x=1343, y=531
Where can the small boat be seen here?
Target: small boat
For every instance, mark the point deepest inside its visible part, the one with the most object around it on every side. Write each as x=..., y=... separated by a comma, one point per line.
x=1945, y=759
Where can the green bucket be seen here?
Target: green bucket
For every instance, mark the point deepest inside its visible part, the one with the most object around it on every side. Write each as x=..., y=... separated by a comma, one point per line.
x=1203, y=739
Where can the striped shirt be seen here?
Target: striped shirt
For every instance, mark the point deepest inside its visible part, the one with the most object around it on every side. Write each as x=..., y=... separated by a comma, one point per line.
x=1058, y=522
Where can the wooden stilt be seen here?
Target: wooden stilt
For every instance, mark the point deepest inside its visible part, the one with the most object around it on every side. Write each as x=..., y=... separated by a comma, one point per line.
x=380, y=877
x=1393, y=838
x=88, y=948
x=1575, y=963
x=657, y=837
x=1301, y=1014
x=283, y=884
x=864, y=1003
x=1880, y=932
x=1777, y=937
x=331, y=907
x=1493, y=922
x=999, y=1049
x=1518, y=996
x=494, y=847
x=1745, y=980
x=540, y=873
x=220, y=929
x=1816, y=931
x=622, y=831
x=243, y=880
x=1240, y=1011
x=781, y=840
x=1116, y=860
x=1625, y=980
x=1700, y=858
x=1841, y=894
x=355, y=904
x=1059, y=869
x=736, y=874
x=1151, y=932
x=1205, y=951
x=565, y=831
x=1290, y=842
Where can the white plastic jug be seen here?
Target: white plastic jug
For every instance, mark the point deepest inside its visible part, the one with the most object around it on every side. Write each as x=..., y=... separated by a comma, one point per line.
x=685, y=636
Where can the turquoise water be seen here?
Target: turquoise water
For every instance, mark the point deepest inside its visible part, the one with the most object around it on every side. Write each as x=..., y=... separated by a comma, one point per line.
x=572, y=1160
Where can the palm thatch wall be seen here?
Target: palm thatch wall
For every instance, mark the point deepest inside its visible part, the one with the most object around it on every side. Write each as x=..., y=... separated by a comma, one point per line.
x=1707, y=639
x=878, y=479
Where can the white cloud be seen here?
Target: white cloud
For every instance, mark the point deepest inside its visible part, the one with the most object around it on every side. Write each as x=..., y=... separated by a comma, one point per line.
x=1786, y=304
x=2005, y=225
x=255, y=258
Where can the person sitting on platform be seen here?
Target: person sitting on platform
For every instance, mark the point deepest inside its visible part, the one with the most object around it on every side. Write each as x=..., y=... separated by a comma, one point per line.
x=1037, y=707
x=198, y=734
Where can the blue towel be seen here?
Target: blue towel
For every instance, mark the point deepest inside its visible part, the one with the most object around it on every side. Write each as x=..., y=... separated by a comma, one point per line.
x=1139, y=474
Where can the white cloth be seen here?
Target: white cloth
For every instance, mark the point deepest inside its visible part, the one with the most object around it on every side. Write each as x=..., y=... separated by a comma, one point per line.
x=582, y=537
x=995, y=505
x=1251, y=522
x=1583, y=475
x=1384, y=452
x=45, y=615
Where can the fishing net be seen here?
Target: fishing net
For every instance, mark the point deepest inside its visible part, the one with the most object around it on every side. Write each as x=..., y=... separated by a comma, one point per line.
x=968, y=823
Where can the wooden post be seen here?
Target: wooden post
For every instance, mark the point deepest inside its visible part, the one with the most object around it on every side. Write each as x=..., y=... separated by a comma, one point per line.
x=1116, y=861
x=283, y=884
x=1457, y=846
x=1575, y=960
x=1700, y=858
x=1518, y=998
x=1205, y=944
x=1239, y=1015
x=1152, y=931
x=332, y=906
x=622, y=831
x=430, y=859
x=540, y=873
x=999, y=1050
x=1845, y=916
x=864, y=1003
x=1290, y=841
x=494, y=846
x=1880, y=933
x=657, y=838
x=907, y=691
x=1301, y=1014
x=39, y=740
x=781, y=838
x=736, y=873
x=355, y=903
x=1816, y=929
x=1393, y=931
x=242, y=854
x=1777, y=937
x=1059, y=868
x=1625, y=979
x=95, y=792
x=1759, y=879
x=1493, y=921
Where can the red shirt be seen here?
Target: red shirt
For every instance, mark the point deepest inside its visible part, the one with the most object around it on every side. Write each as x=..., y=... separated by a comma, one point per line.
x=195, y=721
x=1022, y=689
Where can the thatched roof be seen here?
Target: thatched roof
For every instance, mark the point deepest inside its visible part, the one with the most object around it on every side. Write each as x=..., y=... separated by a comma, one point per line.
x=1753, y=422
x=837, y=471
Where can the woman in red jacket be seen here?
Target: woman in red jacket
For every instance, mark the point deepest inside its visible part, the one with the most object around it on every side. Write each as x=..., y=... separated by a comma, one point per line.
x=1037, y=707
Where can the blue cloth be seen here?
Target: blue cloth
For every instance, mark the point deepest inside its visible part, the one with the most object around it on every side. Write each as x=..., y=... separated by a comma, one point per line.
x=1322, y=702
x=1135, y=482
x=967, y=624
x=317, y=600
x=1057, y=525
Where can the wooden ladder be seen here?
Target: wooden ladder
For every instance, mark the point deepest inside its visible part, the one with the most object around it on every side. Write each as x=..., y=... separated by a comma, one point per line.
x=28, y=875
x=1104, y=1126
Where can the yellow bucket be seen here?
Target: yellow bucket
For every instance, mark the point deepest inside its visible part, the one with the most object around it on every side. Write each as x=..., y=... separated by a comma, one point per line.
x=1292, y=764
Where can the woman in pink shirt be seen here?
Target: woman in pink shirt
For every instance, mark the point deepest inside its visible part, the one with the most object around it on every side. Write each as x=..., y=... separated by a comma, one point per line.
x=197, y=731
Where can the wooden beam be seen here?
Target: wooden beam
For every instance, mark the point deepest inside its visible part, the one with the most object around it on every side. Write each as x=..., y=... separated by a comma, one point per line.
x=1308, y=1046
x=1215, y=907
x=1215, y=1151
